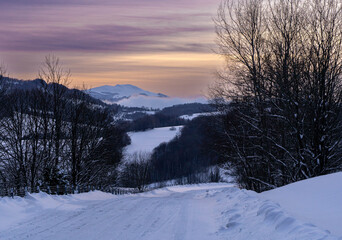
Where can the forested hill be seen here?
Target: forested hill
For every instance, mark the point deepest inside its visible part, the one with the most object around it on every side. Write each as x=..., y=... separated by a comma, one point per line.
x=12, y=84
x=52, y=135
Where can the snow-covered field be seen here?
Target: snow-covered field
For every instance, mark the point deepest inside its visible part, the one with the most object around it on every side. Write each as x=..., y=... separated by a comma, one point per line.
x=148, y=140
x=206, y=211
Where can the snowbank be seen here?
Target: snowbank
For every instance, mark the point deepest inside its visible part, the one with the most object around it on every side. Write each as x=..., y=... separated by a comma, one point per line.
x=316, y=200
x=248, y=216
x=17, y=209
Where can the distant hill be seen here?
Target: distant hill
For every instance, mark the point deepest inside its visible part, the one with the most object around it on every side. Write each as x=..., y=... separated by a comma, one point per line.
x=113, y=94
x=131, y=96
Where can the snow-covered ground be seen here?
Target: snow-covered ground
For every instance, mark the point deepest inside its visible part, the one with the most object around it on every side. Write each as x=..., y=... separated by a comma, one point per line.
x=18, y=209
x=201, y=212
x=316, y=200
x=148, y=140
x=195, y=115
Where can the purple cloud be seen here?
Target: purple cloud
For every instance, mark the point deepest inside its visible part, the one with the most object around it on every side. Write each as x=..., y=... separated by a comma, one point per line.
x=106, y=25
x=111, y=28
x=116, y=38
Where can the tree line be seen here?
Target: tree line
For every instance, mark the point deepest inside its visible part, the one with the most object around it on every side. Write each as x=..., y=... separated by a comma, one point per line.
x=52, y=135
x=280, y=92
x=190, y=157
x=169, y=116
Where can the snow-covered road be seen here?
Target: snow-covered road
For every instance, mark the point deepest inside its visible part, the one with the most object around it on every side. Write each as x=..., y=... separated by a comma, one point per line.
x=201, y=212
x=180, y=213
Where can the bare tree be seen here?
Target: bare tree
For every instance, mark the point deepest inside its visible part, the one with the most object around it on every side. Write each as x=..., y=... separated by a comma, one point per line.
x=57, y=79
x=135, y=171
x=86, y=126
x=284, y=87
x=36, y=137
x=3, y=85
x=22, y=146
x=323, y=77
x=14, y=150
x=241, y=29
x=2, y=111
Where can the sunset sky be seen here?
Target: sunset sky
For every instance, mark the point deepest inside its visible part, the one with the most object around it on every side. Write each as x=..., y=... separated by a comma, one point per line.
x=160, y=45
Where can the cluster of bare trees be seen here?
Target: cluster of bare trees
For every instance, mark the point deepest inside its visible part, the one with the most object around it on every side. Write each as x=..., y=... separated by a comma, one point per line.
x=283, y=83
x=135, y=171
x=51, y=135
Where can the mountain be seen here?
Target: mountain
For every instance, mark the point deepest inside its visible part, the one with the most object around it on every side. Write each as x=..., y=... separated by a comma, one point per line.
x=113, y=94
x=131, y=96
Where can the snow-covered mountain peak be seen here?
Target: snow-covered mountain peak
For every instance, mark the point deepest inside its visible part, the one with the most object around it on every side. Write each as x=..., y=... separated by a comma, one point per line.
x=117, y=87
x=119, y=92
x=132, y=96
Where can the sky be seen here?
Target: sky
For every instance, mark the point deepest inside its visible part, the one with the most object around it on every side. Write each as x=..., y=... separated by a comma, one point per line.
x=163, y=46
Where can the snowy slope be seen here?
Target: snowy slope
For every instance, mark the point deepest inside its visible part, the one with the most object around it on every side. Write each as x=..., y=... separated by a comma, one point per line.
x=201, y=212
x=119, y=92
x=316, y=200
x=157, y=102
x=148, y=140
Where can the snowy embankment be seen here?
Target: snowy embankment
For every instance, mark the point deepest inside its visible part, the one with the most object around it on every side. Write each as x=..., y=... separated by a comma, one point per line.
x=201, y=212
x=146, y=141
x=317, y=200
